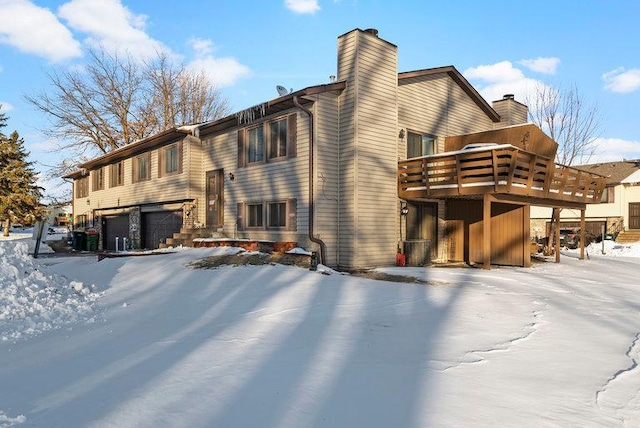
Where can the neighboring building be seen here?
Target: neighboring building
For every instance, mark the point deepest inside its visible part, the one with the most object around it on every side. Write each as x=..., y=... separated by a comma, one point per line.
x=59, y=214
x=351, y=169
x=619, y=210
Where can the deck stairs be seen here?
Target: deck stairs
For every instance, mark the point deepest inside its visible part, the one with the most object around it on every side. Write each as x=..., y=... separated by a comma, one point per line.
x=628, y=236
x=186, y=236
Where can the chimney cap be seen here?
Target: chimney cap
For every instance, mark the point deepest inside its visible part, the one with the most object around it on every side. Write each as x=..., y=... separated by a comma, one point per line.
x=508, y=97
x=372, y=31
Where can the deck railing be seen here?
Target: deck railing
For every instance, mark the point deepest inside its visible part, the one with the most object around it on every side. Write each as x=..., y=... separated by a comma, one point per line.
x=500, y=169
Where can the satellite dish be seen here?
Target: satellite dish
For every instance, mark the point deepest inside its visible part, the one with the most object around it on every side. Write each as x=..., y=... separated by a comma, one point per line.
x=282, y=90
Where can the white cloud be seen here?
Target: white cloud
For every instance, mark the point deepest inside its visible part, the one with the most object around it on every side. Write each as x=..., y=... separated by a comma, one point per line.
x=615, y=149
x=302, y=6
x=500, y=72
x=621, y=80
x=5, y=107
x=542, y=65
x=221, y=71
x=495, y=80
x=202, y=47
x=110, y=24
x=36, y=30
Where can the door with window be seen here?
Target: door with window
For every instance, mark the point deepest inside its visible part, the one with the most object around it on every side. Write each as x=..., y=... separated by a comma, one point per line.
x=634, y=215
x=215, y=198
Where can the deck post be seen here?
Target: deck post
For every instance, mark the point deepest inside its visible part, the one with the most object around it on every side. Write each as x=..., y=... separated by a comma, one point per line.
x=526, y=235
x=486, y=231
x=582, y=234
x=556, y=232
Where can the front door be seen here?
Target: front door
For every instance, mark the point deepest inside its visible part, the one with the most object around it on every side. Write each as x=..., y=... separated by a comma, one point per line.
x=634, y=215
x=215, y=198
x=422, y=221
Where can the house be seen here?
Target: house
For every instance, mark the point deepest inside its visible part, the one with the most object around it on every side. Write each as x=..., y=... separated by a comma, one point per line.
x=617, y=213
x=369, y=164
x=58, y=214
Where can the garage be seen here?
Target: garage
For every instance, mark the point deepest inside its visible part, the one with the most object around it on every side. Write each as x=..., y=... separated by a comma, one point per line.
x=114, y=226
x=158, y=226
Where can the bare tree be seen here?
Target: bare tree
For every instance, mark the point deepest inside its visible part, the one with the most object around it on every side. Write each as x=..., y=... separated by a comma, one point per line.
x=116, y=100
x=568, y=119
x=177, y=95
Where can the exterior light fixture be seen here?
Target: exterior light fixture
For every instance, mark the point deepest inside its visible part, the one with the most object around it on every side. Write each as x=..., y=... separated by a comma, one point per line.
x=404, y=210
x=231, y=176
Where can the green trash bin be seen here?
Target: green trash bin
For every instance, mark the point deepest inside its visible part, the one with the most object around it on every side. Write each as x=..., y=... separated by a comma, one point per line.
x=78, y=240
x=92, y=238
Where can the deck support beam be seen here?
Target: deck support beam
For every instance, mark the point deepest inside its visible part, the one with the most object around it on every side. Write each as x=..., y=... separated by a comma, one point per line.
x=556, y=233
x=582, y=234
x=486, y=232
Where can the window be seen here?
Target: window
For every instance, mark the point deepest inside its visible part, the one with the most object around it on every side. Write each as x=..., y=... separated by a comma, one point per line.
x=254, y=215
x=141, y=167
x=82, y=187
x=420, y=145
x=277, y=215
x=280, y=215
x=256, y=145
x=116, y=173
x=278, y=139
x=170, y=160
x=98, y=179
x=268, y=141
x=608, y=195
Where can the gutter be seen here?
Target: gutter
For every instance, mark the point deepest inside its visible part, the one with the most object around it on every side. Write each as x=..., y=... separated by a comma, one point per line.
x=312, y=236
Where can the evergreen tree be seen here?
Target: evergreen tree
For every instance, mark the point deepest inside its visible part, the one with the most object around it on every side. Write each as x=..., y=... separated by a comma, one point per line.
x=19, y=194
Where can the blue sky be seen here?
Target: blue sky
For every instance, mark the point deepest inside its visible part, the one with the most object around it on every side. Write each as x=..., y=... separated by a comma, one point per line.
x=250, y=47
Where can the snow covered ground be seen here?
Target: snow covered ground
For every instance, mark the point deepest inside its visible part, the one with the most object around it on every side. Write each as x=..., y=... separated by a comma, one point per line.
x=150, y=342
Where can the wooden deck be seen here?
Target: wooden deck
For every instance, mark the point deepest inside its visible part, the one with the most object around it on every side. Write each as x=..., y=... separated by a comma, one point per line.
x=500, y=170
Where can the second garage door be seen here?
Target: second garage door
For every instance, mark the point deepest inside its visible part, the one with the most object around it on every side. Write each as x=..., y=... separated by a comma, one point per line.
x=158, y=226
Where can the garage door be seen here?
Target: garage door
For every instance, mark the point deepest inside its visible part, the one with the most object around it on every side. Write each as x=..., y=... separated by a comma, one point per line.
x=158, y=226
x=112, y=227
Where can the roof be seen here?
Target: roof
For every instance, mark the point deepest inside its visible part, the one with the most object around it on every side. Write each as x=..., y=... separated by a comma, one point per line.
x=616, y=172
x=457, y=77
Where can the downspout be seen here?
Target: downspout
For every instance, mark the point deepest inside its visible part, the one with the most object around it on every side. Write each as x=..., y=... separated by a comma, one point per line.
x=312, y=236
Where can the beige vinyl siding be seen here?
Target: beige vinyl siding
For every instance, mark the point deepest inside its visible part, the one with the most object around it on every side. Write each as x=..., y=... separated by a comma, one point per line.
x=327, y=174
x=156, y=190
x=193, y=162
x=368, y=119
x=436, y=105
x=347, y=100
x=272, y=181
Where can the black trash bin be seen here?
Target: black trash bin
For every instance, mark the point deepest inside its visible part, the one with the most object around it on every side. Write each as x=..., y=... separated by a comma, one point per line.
x=78, y=242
